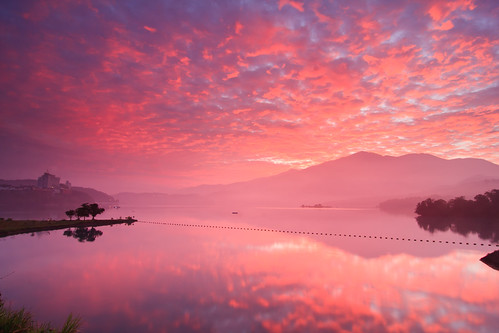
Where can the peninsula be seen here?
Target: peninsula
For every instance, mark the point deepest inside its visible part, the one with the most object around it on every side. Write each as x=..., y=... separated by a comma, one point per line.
x=14, y=227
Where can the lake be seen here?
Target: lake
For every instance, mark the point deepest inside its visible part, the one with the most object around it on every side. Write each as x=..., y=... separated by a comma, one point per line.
x=202, y=269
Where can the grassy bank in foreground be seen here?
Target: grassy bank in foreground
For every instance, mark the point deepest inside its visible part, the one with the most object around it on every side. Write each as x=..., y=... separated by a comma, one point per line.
x=13, y=227
x=22, y=321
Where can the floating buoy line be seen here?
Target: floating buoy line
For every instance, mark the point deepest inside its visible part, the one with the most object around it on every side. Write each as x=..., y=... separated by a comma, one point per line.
x=315, y=233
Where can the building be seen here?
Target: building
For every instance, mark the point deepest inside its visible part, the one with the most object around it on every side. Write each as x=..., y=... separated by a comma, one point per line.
x=48, y=181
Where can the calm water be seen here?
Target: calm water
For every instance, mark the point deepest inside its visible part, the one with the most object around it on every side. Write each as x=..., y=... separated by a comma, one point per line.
x=177, y=276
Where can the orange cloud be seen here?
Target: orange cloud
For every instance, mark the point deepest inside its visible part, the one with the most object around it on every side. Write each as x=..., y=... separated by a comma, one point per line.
x=316, y=80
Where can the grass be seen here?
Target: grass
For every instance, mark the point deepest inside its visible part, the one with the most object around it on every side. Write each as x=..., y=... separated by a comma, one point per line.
x=21, y=321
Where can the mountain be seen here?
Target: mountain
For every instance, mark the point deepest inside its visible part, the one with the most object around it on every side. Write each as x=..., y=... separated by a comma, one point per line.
x=361, y=179
x=161, y=199
x=95, y=195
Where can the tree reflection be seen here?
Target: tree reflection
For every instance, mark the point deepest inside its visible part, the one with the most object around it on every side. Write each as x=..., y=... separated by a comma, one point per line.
x=83, y=234
x=485, y=228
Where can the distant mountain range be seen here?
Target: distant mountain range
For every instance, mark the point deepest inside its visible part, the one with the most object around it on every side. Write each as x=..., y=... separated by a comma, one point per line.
x=359, y=180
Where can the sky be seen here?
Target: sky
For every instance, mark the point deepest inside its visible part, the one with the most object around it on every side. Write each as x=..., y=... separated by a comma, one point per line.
x=156, y=95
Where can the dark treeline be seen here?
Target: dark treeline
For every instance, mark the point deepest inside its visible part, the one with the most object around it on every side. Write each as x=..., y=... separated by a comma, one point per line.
x=483, y=205
x=479, y=216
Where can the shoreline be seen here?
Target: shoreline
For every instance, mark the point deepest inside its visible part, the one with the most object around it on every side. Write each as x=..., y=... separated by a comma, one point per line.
x=16, y=227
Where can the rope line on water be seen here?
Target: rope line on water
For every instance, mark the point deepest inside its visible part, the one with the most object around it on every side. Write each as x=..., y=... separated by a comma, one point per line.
x=319, y=233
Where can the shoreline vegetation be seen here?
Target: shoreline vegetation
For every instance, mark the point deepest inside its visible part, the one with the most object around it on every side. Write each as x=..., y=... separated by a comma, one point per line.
x=11, y=227
x=479, y=216
x=484, y=205
x=22, y=321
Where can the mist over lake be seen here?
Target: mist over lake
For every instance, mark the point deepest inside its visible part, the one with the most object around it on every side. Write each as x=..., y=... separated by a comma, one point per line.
x=263, y=269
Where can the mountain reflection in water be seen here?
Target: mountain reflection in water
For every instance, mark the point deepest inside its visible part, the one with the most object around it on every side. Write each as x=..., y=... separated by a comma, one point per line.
x=153, y=278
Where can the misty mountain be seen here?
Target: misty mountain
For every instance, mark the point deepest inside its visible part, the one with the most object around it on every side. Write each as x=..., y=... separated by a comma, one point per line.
x=21, y=199
x=161, y=199
x=95, y=195
x=361, y=179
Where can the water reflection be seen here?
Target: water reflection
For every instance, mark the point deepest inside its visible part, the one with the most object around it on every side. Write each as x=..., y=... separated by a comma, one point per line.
x=485, y=228
x=153, y=278
x=83, y=234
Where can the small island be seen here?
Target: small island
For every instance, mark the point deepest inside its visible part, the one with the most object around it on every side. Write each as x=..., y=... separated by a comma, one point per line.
x=315, y=206
x=9, y=227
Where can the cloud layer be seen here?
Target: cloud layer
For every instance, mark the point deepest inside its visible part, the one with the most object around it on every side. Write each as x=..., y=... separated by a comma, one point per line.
x=178, y=93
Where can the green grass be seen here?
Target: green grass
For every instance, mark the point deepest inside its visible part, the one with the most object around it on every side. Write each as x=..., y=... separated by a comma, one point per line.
x=21, y=321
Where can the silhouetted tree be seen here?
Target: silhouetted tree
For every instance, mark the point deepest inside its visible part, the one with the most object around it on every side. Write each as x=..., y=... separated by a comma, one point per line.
x=430, y=207
x=493, y=196
x=70, y=213
x=482, y=205
x=95, y=210
x=460, y=206
x=83, y=211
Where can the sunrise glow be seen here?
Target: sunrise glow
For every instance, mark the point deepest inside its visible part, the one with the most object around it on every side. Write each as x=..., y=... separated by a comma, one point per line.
x=156, y=95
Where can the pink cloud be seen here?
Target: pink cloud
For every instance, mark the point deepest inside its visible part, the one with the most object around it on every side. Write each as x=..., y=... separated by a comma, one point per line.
x=139, y=86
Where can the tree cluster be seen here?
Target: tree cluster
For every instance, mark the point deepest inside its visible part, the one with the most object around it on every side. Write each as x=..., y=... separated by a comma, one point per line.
x=483, y=205
x=85, y=210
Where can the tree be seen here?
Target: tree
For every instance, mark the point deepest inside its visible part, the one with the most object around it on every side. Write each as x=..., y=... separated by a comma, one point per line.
x=430, y=207
x=70, y=213
x=460, y=206
x=95, y=210
x=482, y=206
x=83, y=211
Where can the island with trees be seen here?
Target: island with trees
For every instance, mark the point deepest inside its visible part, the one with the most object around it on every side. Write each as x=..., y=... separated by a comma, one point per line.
x=315, y=206
x=483, y=205
x=479, y=216
x=9, y=227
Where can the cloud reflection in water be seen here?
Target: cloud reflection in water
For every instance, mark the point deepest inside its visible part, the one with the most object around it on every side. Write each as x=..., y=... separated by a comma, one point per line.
x=190, y=279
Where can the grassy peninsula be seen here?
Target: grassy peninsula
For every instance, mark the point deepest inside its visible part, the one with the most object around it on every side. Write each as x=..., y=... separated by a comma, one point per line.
x=11, y=227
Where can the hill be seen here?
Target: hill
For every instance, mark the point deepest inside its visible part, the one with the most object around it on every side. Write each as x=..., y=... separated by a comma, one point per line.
x=361, y=179
x=21, y=199
x=161, y=199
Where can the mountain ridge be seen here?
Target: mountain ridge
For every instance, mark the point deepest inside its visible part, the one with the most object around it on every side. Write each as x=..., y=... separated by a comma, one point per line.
x=363, y=176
